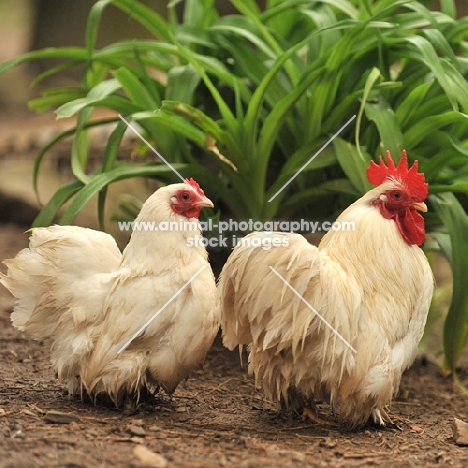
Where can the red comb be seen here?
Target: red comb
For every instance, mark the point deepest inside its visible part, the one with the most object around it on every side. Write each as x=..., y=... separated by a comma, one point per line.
x=195, y=185
x=413, y=179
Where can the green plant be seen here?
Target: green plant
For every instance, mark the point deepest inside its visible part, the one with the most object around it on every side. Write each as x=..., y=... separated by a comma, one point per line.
x=242, y=102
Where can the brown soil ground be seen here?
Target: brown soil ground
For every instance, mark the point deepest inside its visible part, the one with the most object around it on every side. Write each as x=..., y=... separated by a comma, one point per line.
x=216, y=419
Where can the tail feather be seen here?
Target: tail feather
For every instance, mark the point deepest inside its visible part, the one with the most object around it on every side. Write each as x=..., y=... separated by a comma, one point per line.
x=50, y=279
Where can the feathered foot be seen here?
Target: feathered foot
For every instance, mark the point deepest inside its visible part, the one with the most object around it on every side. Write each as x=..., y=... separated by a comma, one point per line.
x=381, y=418
x=310, y=413
x=130, y=404
x=291, y=404
x=303, y=407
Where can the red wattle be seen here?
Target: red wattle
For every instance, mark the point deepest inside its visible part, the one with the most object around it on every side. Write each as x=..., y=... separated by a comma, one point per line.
x=409, y=222
x=188, y=211
x=193, y=212
x=411, y=226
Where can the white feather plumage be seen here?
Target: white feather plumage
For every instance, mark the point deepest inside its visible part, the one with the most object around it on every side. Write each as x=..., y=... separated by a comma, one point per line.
x=77, y=292
x=371, y=286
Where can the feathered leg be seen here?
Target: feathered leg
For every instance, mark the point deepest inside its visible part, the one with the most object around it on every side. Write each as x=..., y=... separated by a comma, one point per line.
x=380, y=417
x=299, y=405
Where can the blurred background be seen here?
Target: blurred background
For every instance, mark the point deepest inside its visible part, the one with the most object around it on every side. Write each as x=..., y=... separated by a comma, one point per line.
x=36, y=24
x=27, y=25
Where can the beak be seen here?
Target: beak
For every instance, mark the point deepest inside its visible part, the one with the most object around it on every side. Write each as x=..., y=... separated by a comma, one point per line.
x=421, y=206
x=204, y=202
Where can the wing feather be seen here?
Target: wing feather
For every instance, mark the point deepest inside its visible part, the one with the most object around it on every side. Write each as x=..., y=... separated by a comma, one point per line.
x=173, y=343
x=298, y=318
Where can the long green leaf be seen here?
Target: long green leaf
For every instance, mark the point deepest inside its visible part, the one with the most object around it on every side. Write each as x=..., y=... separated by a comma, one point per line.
x=95, y=95
x=209, y=126
x=69, y=53
x=151, y=20
x=371, y=79
x=307, y=196
x=166, y=119
x=62, y=67
x=407, y=108
x=135, y=90
x=110, y=156
x=48, y=213
x=182, y=83
x=98, y=182
x=200, y=13
x=227, y=114
x=451, y=80
x=353, y=165
x=51, y=144
x=455, y=221
x=254, y=109
x=192, y=114
x=418, y=132
x=56, y=97
x=391, y=138
x=243, y=27
x=92, y=26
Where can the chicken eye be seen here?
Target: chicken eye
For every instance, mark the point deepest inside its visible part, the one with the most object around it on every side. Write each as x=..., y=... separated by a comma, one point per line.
x=185, y=196
x=396, y=195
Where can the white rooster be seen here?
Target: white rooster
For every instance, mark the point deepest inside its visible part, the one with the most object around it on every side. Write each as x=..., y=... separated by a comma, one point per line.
x=87, y=301
x=340, y=322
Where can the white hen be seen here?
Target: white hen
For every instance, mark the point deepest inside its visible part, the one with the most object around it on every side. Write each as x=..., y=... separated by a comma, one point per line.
x=76, y=291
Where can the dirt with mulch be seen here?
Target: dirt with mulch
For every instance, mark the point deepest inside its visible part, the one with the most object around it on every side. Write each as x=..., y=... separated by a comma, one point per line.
x=217, y=418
